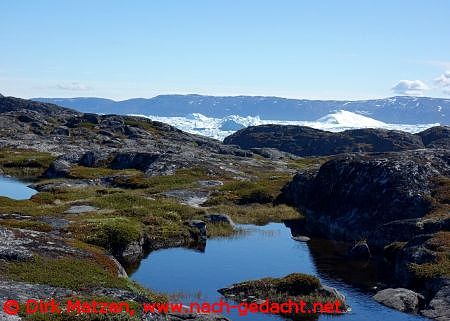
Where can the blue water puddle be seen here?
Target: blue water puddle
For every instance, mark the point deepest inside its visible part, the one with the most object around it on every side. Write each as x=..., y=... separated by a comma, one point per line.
x=15, y=189
x=261, y=251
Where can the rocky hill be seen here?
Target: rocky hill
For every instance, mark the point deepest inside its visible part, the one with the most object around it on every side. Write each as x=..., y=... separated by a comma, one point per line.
x=114, y=141
x=305, y=141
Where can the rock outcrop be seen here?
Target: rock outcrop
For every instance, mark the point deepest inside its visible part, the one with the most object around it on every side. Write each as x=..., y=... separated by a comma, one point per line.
x=354, y=196
x=396, y=204
x=306, y=141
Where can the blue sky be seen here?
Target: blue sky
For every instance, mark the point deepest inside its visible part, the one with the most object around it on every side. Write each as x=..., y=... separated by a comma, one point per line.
x=347, y=49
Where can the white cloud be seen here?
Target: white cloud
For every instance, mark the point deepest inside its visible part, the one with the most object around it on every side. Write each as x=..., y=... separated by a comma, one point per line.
x=443, y=82
x=410, y=87
x=73, y=86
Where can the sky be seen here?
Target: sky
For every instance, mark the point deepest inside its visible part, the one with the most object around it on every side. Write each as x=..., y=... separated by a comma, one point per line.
x=322, y=49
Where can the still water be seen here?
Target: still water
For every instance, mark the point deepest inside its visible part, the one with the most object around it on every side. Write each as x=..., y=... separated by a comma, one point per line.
x=15, y=189
x=263, y=251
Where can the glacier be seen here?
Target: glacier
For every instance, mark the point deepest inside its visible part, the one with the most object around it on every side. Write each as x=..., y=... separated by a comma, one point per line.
x=219, y=128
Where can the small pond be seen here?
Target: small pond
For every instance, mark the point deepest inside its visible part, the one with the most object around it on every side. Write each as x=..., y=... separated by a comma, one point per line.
x=262, y=251
x=15, y=189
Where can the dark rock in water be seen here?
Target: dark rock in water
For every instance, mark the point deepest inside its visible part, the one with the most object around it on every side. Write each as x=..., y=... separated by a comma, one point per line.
x=360, y=251
x=400, y=299
x=355, y=195
x=306, y=141
x=219, y=218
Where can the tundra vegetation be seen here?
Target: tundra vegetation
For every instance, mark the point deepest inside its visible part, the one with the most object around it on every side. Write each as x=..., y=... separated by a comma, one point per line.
x=131, y=206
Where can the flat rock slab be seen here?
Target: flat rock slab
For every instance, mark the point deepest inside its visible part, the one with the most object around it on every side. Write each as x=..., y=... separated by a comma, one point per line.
x=210, y=183
x=79, y=209
x=22, y=291
x=191, y=197
x=56, y=223
x=19, y=245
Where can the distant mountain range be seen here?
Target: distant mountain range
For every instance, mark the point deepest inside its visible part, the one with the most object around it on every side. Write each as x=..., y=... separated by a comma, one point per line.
x=401, y=110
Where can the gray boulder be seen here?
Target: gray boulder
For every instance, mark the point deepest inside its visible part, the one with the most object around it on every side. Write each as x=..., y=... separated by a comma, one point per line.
x=58, y=168
x=199, y=229
x=61, y=130
x=400, y=299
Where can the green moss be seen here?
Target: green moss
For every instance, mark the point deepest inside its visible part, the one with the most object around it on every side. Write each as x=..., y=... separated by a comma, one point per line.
x=258, y=214
x=73, y=273
x=262, y=189
x=29, y=207
x=297, y=284
x=113, y=233
x=24, y=163
x=183, y=178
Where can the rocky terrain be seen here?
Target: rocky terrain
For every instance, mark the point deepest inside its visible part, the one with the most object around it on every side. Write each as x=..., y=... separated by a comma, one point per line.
x=394, y=205
x=111, y=188
x=118, y=142
x=306, y=141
